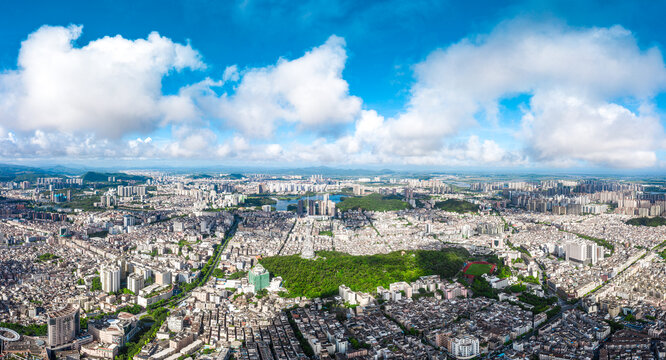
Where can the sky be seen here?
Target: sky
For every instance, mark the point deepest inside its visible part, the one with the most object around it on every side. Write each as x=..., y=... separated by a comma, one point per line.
x=390, y=84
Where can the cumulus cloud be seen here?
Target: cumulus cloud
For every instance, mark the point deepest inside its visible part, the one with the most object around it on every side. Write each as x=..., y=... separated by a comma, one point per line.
x=231, y=73
x=561, y=127
x=110, y=87
x=370, y=142
x=573, y=76
x=191, y=142
x=308, y=91
x=105, y=100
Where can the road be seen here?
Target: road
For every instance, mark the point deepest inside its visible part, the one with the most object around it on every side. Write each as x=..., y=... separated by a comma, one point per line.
x=566, y=306
x=223, y=245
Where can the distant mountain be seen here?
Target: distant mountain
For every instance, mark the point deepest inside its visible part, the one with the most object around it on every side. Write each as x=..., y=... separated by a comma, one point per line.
x=328, y=171
x=92, y=176
x=10, y=172
x=59, y=169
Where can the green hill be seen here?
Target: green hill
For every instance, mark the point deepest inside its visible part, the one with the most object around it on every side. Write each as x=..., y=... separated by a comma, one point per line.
x=92, y=176
x=234, y=176
x=200, y=176
x=455, y=205
x=647, y=221
x=21, y=173
x=372, y=202
x=323, y=276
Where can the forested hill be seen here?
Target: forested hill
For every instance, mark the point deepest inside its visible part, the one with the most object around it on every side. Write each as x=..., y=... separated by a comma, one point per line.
x=92, y=176
x=323, y=276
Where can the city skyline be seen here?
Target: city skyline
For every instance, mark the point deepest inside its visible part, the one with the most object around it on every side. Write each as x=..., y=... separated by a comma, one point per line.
x=332, y=180
x=525, y=86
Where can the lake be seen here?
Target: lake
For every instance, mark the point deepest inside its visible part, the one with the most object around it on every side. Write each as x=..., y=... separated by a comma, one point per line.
x=282, y=204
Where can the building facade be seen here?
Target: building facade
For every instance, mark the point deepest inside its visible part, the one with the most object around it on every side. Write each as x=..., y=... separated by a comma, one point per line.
x=63, y=325
x=259, y=277
x=110, y=278
x=464, y=347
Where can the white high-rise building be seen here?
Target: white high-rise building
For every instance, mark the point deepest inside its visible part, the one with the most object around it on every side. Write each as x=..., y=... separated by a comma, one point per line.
x=110, y=278
x=576, y=251
x=129, y=220
x=163, y=277
x=135, y=282
x=464, y=347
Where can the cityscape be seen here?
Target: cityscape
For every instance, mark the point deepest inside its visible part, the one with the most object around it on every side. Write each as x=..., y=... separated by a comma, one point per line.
x=150, y=265
x=332, y=180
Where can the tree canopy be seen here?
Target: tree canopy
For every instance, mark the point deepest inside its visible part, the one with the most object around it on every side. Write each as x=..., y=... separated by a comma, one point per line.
x=323, y=276
x=647, y=221
x=458, y=206
x=372, y=202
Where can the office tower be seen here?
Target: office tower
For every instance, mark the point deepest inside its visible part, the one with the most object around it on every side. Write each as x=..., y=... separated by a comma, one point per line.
x=63, y=325
x=110, y=278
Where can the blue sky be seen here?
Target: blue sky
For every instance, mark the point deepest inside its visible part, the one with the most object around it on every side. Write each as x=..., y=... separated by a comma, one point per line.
x=526, y=84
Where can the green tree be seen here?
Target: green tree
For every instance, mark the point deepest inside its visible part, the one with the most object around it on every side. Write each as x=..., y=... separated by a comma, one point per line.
x=96, y=284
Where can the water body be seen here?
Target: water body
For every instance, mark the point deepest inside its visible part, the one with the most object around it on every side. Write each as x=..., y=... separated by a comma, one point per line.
x=460, y=184
x=282, y=204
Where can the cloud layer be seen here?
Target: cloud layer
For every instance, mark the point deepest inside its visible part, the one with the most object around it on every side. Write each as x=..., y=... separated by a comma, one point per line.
x=308, y=91
x=112, y=86
x=572, y=77
x=588, y=92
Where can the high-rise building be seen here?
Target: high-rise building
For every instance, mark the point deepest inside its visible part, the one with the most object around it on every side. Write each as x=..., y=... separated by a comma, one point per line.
x=126, y=268
x=129, y=220
x=110, y=278
x=259, y=277
x=63, y=325
x=592, y=253
x=576, y=251
x=135, y=282
x=163, y=277
x=464, y=347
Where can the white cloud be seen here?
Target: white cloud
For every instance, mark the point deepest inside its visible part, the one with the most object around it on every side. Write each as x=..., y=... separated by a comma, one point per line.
x=110, y=87
x=563, y=127
x=591, y=66
x=368, y=144
x=191, y=142
x=487, y=151
x=231, y=73
x=308, y=91
x=93, y=102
